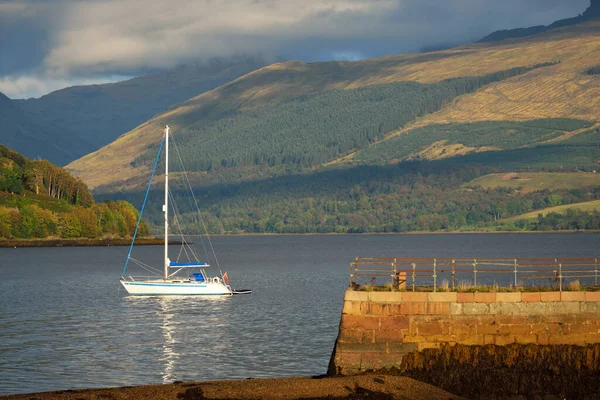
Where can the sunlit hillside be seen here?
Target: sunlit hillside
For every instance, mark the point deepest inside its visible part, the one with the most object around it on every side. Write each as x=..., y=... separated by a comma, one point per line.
x=562, y=88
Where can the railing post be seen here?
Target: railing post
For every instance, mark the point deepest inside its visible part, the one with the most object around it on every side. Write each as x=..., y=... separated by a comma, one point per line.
x=434, y=275
x=474, y=272
x=414, y=274
x=515, y=272
x=352, y=277
x=595, y=272
x=394, y=276
x=560, y=276
x=453, y=277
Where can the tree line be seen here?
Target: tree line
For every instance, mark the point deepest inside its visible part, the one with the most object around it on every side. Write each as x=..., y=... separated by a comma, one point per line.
x=413, y=196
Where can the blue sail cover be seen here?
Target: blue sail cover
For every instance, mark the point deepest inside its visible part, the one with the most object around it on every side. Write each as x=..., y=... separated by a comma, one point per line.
x=198, y=264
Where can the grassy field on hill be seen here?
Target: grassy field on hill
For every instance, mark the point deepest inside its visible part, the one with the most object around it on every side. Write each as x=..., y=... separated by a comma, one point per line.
x=529, y=181
x=443, y=141
x=587, y=206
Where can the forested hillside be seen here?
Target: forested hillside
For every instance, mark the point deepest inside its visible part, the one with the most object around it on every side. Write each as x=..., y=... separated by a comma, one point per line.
x=293, y=115
x=382, y=145
x=39, y=200
x=315, y=129
x=70, y=123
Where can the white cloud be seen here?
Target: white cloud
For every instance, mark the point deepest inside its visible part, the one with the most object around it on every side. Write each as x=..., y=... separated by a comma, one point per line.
x=93, y=39
x=124, y=34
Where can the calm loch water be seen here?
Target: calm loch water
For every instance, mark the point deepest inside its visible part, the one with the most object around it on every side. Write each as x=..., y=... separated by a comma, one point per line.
x=65, y=323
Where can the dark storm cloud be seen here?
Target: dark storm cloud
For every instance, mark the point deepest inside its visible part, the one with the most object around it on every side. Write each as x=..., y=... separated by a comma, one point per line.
x=45, y=45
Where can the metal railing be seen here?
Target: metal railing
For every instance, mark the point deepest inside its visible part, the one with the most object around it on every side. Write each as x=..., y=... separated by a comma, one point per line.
x=411, y=273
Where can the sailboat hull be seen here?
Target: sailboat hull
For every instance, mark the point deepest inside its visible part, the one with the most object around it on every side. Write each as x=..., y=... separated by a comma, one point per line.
x=181, y=288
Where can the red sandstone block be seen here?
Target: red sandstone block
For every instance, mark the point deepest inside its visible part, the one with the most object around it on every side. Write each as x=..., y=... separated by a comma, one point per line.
x=487, y=329
x=592, y=296
x=365, y=308
x=473, y=340
x=375, y=361
x=464, y=297
x=440, y=297
x=428, y=345
x=556, y=329
x=444, y=338
x=489, y=339
x=351, y=307
x=539, y=328
x=514, y=329
x=368, y=336
x=542, y=338
x=347, y=362
x=387, y=335
x=413, y=308
x=394, y=323
x=379, y=309
x=438, y=308
x=350, y=336
x=484, y=297
x=530, y=297
x=461, y=329
x=503, y=340
x=572, y=296
x=429, y=328
x=508, y=297
x=399, y=349
x=550, y=296
x=394, y=309
x=525, y=339
x=359, y=322
x=361, y=347
x=592, y=338
x=579, y=328
x=414, y=297
x=576, y=339
x=414, y=339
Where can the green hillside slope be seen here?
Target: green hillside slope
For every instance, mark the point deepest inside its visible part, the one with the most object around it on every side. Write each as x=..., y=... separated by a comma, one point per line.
x=81, y=119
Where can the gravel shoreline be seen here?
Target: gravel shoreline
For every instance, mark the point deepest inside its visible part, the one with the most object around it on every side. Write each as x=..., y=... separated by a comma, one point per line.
x=313, y=388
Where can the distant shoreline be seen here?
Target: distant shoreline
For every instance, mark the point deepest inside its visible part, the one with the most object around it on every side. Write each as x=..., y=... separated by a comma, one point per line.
x=81, y=242
x=402, y=233
x=153, y=241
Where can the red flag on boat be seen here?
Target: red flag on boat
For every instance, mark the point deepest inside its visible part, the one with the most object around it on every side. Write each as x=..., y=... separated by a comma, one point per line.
x=226, y=278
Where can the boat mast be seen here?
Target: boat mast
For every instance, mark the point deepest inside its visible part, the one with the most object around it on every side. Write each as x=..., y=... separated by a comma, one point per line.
x=166, y=205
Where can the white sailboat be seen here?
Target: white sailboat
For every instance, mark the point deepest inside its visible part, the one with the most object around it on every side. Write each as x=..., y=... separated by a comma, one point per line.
x=173, y=280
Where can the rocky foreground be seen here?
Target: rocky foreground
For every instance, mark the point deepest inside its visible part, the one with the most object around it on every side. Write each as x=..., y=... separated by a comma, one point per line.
x=355, y=387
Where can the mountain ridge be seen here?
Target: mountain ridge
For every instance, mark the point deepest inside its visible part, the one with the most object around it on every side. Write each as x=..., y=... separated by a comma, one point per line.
x=592, y=12
x=88, y=117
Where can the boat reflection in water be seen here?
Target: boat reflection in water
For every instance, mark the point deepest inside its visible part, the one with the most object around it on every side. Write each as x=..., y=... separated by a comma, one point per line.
x=183, y=326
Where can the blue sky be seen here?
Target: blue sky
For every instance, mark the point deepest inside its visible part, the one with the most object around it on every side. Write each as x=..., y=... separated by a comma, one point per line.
x=46, y=45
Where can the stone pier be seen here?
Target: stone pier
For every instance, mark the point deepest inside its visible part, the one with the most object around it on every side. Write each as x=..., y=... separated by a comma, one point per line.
x=379, y=329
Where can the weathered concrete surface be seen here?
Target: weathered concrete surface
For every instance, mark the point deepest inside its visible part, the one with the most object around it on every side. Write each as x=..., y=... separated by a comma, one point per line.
x=378, y=329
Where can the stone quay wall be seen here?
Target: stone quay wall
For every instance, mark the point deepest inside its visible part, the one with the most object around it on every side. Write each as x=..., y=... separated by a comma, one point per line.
x=378, y=329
